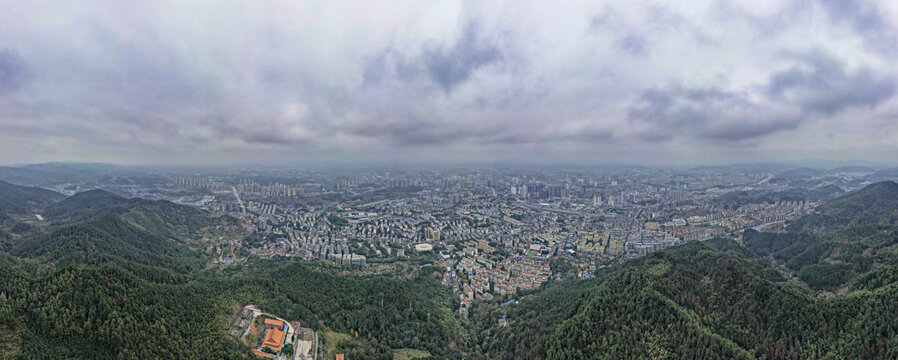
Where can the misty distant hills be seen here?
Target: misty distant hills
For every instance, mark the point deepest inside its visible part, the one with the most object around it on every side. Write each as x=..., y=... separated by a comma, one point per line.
x=49, y=174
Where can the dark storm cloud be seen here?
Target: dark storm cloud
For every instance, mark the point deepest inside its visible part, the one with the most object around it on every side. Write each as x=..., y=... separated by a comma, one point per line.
x=14, y=71
x=822, y=84
x=451, y=65
x=709, y=113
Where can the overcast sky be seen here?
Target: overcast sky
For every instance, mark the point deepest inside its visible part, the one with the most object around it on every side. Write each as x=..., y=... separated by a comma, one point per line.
x=294, y=82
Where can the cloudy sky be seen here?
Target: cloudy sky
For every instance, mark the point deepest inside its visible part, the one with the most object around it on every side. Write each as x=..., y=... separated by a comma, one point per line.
x=294, y=82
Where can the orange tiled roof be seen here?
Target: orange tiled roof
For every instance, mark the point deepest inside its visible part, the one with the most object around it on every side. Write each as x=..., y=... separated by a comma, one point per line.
x=274, y=339
x=262, y=354
x=274, y=322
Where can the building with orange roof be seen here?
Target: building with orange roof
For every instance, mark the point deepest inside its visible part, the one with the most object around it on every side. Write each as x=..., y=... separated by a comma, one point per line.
x=340, y=357
x=274, y=339
x=274, y=324
x=263, y=354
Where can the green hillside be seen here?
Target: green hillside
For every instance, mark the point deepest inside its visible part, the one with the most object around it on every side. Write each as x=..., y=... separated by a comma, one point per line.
x=693, y=302
x=15, y=198
x=848, y=236
x=876, y=205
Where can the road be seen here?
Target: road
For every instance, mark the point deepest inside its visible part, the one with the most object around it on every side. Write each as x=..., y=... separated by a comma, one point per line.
x=541, y=208
x=236, y=195
x=765, y=179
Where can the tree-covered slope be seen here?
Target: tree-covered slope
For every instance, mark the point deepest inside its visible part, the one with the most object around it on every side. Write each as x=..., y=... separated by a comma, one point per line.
x=874, y=205
x=15, y=198
x=160, y=217
x=844, y=238
x=692, y=301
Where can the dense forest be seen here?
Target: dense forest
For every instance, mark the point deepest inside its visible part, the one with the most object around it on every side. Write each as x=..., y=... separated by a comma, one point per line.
x=105, y=277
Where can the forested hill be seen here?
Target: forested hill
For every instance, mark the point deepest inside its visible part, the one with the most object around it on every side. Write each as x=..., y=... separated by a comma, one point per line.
x=21, y=198
x=92, y=203
x=876, y=205
x=84, y=204
x=696, y=301
x=99, y=277
x=96, y=223
x=845, y=238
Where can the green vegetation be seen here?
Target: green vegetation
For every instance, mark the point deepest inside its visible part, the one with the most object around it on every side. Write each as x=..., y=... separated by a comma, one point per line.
x=385, y=311
x=849, y=236
x=337, y=221
x=825, y=275
x=23, y=198
x=719, y=300
x=409, y=354
x=116, y=280
x=706, y=305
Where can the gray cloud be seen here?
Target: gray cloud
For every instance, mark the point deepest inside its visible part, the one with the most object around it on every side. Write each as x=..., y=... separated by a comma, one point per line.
x=14, y=71
x=705, y=113
x=448, y=65
x=390, y=64
x=639, y=38
x=865, y=17
x=635, y=43
x=820, y=83
x=451, y=65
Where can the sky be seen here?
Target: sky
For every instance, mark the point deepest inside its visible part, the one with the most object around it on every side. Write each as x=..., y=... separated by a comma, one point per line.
x=365, y=82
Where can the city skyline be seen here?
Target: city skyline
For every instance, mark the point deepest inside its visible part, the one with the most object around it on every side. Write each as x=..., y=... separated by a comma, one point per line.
x=317, y=83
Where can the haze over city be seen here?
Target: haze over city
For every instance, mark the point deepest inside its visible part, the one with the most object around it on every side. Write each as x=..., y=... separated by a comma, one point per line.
x=642, y=82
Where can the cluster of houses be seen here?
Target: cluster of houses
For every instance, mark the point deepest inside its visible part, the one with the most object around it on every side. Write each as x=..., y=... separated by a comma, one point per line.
x=506, y=276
